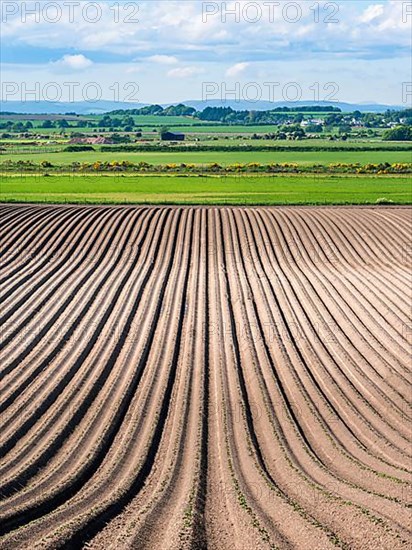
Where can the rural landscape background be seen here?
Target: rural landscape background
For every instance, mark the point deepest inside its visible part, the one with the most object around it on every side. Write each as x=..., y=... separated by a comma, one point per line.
x=206, y=303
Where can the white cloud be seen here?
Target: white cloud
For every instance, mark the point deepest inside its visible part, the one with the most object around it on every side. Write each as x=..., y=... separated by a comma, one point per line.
x=163, y=59
x=237, y=69
x=184, y=72
x=367, y=31
x=372, y=12
x=152, y=87
x=75, y=62
x=364, y=28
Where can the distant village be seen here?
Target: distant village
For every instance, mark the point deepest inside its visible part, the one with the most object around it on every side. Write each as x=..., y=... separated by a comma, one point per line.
x=123, y=126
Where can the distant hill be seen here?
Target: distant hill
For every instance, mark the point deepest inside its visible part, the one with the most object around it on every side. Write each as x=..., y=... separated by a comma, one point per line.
x=57, y=108
x=268, y=105
x=104, y=106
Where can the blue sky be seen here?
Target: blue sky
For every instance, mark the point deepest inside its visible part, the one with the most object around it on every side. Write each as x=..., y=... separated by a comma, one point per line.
x=164, y=51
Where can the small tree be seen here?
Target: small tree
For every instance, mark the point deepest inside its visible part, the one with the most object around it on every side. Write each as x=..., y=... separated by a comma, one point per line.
x=400, y=133
x=128, y=122
x=63, y=123
x=18, y=127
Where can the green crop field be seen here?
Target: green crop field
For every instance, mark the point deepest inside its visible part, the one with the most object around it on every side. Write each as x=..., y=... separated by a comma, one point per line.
x=207, y=190
x=221, y=157
x=225, y=129
x=206, y=143
x=156, y=120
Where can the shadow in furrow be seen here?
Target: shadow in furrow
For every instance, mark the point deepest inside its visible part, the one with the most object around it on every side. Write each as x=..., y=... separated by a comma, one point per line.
x=59, y=346
x=20, y=519
x=94, y=525
x=48, y=296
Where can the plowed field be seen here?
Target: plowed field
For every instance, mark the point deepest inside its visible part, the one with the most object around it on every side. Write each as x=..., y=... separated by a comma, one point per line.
x=223, y=378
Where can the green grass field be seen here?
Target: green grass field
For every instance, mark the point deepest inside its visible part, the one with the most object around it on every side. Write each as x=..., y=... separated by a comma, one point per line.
x=221, y=157
x=230, y=141
x=156, y=120
x=224, y=129
x=207, y=190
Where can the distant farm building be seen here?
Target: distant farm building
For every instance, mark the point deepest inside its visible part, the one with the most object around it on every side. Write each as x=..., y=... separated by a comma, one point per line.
x=170, y=136
x=91, y=141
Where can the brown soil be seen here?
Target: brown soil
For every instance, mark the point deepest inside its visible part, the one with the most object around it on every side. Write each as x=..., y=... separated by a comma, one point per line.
x=222, y=378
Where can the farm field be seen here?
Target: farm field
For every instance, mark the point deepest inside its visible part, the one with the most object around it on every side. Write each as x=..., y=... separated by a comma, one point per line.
x=205, y=377
x=222, y=129
x=221, y=157
x=355, y=145
x=233, y=189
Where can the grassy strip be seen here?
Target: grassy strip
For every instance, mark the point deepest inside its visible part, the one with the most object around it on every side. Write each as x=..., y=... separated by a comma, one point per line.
x=129, y=167
x=242, y=190
x=209, y=156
